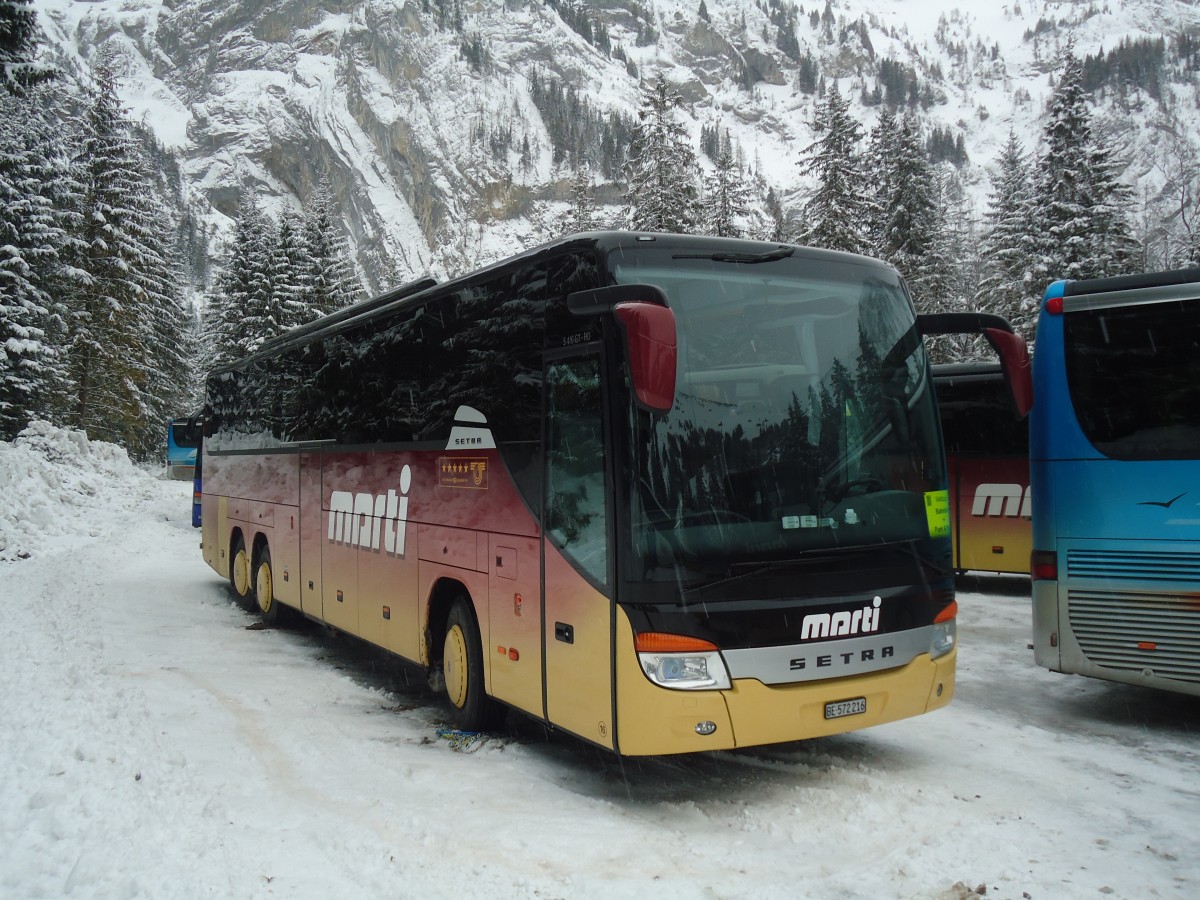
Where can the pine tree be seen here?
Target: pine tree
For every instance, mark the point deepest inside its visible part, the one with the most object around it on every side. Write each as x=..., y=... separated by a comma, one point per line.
x=123, y=272
x=169, y=384
x=30, y=236
x=912, y=229
x=331, y=283
x=661, y=175
x=726, y=197
x=18, y=47
x=1007, y=287
x=878, y=166
x=835, y=213
x=291, y=291
x=239, y=316
x=1082, y=227
x=582, y=214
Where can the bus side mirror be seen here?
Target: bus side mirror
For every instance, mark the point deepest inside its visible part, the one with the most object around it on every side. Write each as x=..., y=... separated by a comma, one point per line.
x=649, y=332
x=1014, y=361
x=1009, y=346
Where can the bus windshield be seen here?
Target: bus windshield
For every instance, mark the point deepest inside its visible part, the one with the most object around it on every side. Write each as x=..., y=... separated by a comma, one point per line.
x=803, y=419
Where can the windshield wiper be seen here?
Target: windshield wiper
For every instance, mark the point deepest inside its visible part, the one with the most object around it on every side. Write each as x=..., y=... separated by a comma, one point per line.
x=769, y=256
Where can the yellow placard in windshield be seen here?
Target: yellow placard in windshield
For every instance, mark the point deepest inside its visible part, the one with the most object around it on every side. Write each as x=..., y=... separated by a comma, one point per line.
x=937, y=513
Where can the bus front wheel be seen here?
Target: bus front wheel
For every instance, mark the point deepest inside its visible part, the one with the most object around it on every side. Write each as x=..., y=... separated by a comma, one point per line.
x=239, y=568
x=462, y=666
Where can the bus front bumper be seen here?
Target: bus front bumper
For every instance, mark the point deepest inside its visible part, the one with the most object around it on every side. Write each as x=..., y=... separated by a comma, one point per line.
x=654, y=721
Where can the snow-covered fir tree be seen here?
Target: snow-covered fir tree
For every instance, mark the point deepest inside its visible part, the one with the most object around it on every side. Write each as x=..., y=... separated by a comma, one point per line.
x=19, y=41
x=960, y=248
x=662, y=177
x=1007, y=287
x=290, y=268
x=727, y=208
x=1080, y=202
x=834, y=215
x=170, y=384
x=911, y=235
x=581, y=216
x=878, y=169
x=239, y=315
x=278, y=276
x=30, y=235
x=1172, y=238
x=330, y=280
x=118, y=305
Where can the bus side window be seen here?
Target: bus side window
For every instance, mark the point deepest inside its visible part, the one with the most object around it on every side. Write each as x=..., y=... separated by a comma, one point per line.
x=576, y=519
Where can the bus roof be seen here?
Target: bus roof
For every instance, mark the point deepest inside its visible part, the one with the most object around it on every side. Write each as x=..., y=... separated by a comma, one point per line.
x=1131, y=282
x=599, y=242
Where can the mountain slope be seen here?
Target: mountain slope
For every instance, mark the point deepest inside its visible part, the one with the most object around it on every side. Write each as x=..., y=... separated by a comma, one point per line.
x=431, y=117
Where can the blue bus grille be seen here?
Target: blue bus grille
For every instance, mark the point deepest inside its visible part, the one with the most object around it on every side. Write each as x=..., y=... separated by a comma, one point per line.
x=1134, y=632
x=1134, y=565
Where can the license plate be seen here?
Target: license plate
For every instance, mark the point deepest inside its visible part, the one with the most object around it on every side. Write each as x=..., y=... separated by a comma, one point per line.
x=846, y=708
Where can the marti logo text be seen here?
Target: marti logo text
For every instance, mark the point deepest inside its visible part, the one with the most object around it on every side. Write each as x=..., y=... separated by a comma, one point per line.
x=371, y=521
x=842, y=623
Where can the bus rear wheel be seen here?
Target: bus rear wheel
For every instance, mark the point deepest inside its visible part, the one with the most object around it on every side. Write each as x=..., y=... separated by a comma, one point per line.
x=270, y=609
x=239, y=568
x=462, y=665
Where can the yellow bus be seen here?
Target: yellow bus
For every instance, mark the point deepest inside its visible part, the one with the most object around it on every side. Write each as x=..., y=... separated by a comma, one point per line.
x=665, y=493
x=987, y=457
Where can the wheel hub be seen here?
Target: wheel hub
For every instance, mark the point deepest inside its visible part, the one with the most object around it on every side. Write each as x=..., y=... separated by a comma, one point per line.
x=264, y=589
x=454, y=665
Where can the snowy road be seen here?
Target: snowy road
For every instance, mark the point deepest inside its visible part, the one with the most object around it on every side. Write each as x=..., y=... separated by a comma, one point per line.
x=156, y=744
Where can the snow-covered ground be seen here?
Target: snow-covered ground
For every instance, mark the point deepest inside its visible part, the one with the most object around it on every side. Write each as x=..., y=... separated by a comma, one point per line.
x=156, y=744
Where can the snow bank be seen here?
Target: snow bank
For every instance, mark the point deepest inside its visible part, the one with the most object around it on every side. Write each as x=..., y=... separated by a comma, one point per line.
x=54, y=482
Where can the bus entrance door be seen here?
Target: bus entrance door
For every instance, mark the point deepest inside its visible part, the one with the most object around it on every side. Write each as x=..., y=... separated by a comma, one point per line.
x=578, y=611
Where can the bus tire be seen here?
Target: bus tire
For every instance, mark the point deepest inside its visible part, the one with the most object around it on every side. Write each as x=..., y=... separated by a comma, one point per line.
x=239, y=569
x=462, y=664
x=271, y=611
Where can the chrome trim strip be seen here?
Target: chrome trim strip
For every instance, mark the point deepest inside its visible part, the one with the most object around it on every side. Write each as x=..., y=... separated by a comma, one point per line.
x=828, y=659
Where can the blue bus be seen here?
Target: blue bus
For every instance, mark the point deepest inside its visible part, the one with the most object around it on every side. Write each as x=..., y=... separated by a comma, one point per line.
x=183, y=439
x=1115, y=480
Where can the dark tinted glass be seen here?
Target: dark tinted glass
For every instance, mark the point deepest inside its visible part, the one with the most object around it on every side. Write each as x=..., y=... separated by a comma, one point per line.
x=977, y=416
x=1134, y=378
x=804, y=417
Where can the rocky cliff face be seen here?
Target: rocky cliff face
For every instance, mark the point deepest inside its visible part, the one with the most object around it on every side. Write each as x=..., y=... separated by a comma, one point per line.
x=421, y=113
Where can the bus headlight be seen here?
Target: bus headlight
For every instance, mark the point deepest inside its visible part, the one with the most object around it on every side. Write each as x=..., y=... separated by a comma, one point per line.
x=686, y=671
x=681, y=662
x=945, y=635
x=945, y=631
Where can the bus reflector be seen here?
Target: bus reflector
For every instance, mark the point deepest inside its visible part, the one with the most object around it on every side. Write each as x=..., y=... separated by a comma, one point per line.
x=1147, y=645
x=1043, y=565
x=658, y=642
x=950, y=612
